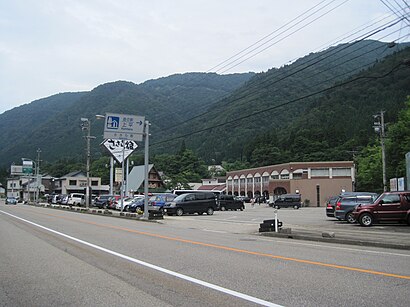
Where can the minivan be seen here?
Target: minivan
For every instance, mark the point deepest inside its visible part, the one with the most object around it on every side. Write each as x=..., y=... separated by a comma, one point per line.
x=347, y=201
x=388, y=207
x=230, y=202
x=287, y=201
x=76, y=199
x=200, y=203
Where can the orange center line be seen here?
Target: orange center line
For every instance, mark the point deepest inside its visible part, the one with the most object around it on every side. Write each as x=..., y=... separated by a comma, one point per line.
x=232, y=249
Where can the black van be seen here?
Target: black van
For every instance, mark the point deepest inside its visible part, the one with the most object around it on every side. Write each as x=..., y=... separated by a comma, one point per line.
x=200, y=203
x=230, y=202
x=287, y=201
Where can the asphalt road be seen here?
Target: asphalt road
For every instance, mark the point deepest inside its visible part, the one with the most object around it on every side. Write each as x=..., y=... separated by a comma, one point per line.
x=51, y=257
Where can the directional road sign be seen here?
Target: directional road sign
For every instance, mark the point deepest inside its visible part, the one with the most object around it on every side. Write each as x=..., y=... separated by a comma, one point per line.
x=120, y=149
x=124, y=127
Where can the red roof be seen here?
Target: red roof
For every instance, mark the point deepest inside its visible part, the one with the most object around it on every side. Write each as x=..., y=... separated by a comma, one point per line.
x=213, y=187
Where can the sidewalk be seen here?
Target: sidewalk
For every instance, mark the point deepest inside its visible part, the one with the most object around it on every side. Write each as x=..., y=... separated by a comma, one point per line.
x=396, y=237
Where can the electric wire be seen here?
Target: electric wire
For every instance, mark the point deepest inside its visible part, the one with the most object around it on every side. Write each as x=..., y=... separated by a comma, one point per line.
x=282, y=104
x=312, y=62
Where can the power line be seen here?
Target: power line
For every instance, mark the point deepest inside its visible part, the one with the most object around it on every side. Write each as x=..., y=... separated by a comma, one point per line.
x=285, y=75
x=284, y=104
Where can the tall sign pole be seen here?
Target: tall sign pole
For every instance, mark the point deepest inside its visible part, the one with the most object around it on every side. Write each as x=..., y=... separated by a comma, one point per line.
x=146, y=168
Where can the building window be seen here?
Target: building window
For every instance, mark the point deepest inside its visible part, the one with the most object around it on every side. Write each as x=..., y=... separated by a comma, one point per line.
x=320, y=172
x=94, y=182
x=265, y=179
x=235, y=181
x=72, y=182
x=341, y=172
x=284, y=176
x=297, y=175
x=242, y=181
x=276, y=176
x=249, y=180
x=257, y=179
x=229, y=181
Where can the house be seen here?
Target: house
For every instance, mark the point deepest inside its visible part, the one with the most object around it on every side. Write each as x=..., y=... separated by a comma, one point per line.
x=76, y=182
x=137, y=176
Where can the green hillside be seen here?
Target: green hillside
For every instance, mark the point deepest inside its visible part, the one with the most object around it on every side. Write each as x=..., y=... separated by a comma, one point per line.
x=275, y=117
x=53, y=123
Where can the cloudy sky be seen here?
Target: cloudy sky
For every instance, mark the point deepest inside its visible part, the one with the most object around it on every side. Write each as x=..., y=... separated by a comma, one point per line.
x=53, y=46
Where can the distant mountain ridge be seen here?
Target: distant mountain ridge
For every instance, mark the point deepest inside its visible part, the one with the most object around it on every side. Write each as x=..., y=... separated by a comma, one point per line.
x=53, y=123
x=183, y=104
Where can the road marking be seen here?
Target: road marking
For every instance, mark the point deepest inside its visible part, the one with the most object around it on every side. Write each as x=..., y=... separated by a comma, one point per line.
x=222, y=247
x=217, y=231
x=154, y=267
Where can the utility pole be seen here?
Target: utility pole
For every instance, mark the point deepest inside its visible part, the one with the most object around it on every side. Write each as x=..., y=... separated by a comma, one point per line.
x=37, y=175
x=379, y=127
x=86, y=125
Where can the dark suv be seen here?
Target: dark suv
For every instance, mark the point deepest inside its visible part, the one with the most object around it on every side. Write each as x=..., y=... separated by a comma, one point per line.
x=200, y=203
x=346, y=203
x=230, y=202
x=388, y=207
x=103, y=201
x=287, y=201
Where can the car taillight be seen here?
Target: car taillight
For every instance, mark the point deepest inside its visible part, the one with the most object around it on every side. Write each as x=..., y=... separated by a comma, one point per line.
x=338, y=204
x=329, y=205
x=153, y=203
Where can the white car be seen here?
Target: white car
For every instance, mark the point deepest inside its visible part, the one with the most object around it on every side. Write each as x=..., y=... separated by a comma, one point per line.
x=126, y=202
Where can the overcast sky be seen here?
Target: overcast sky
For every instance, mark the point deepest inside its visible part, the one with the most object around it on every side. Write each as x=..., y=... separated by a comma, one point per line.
x=53, y=46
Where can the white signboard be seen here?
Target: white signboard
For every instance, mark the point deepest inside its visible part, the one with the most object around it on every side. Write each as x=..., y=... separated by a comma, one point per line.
x=124, y=126
x=120, y=149
x=400, y=184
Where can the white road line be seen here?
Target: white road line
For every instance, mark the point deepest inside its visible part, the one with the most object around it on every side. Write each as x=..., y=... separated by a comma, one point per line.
x=333, y=247
x=154, y=267
x=211, y=230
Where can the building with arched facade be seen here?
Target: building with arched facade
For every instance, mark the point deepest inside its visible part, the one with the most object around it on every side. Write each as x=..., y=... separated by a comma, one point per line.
x=315, y=181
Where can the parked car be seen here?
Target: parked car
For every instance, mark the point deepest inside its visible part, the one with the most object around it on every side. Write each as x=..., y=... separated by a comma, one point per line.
x=157, y=202
x=11, y=201
x=137, y=205
x=104, y=201
x=287, y=201
x=199, y=202
x=230, y=202
x=330, y=206
x=346, y=203
x=388, y=207
x=245, y=199
x=76, y=199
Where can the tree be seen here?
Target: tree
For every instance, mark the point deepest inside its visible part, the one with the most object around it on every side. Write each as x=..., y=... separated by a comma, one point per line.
x=369, y=169
x=398, y=144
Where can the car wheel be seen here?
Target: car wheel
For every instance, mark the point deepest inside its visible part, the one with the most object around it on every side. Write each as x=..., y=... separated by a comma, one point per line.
x=179, y=212
x=223, y=208
x=242, y=208
x=138, y=208
x=277, y=207
x=350, y=218
x=210, y=211
x=366, y=220
x=295, y=207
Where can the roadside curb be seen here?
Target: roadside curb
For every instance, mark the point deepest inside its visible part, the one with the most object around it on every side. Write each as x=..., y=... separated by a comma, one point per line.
x=101, y=212
x=322, y=237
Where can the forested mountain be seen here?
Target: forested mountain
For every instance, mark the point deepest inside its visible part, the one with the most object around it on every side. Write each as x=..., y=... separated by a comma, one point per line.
x=287, y=113
x=301, y=111
x=53, y=123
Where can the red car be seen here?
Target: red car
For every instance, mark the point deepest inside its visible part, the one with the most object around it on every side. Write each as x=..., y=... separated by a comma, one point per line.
x=388, y=207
